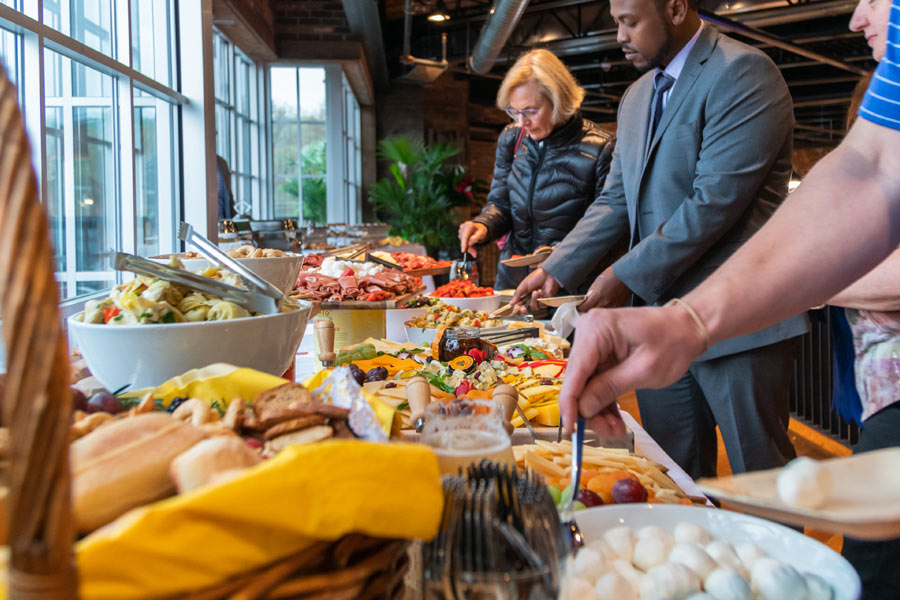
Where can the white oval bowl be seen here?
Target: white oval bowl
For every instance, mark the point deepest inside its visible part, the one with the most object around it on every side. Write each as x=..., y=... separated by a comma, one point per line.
x=280, y=271
x=488, y=303
x=147, y=355
x=790, y=547
x=419, y=335
x=395, y=319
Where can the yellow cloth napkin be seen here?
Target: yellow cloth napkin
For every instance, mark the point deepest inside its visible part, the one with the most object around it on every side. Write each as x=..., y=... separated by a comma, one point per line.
x=214, y=383
x=306, y=493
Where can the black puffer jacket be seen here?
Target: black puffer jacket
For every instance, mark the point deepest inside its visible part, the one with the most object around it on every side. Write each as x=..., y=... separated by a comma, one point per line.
x=538, y=196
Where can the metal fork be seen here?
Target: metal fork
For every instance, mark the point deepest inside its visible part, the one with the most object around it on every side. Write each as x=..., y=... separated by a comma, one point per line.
x=567, y=516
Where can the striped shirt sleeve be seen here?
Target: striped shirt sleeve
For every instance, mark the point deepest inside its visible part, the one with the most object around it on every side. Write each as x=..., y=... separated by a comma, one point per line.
x=881, y=104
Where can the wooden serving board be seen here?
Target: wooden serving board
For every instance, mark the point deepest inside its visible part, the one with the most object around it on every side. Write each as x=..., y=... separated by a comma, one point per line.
x=527, y=260
x=864, y=501
x=426, y=272
x=560, y=300
x=363, y=305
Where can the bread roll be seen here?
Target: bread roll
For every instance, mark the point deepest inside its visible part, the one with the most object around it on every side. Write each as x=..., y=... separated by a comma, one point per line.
x=124, y=465
x=204, y=462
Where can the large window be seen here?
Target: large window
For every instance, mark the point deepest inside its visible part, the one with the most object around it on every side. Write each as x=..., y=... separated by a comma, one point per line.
x=298, y=143
x=106, y=149
x=239, y=90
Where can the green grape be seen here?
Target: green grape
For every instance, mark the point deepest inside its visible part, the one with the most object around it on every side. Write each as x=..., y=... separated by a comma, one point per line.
x=555, y=493
x=578, y=505
x=342, y=359
x=368, y=351
x=355, y=355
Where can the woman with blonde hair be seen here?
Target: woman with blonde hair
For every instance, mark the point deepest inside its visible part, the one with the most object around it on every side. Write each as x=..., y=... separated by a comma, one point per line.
x=550, y=165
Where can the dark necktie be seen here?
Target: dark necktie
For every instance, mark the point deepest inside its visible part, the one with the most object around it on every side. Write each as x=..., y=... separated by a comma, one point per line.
x=661, y=85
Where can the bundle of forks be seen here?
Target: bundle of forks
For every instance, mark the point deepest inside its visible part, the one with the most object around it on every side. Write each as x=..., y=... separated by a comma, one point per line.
x=500, y=538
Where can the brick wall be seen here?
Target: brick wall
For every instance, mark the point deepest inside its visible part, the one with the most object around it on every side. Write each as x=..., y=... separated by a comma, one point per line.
x=310, y=20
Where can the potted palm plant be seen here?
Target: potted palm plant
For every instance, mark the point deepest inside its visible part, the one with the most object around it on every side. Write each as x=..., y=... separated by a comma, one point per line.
x=420, y=198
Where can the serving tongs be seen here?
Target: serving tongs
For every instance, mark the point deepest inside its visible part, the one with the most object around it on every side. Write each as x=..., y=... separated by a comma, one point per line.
x=354, y=250
x=212, y=252
x=251, y=300
x=464, y=269
x=500, y=336
x=382, y=262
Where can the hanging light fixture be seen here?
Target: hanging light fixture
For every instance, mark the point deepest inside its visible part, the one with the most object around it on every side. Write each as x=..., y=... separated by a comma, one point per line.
x=440, y=14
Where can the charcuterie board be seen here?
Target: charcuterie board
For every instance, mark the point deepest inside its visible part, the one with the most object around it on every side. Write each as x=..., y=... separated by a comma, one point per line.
x=362, y=305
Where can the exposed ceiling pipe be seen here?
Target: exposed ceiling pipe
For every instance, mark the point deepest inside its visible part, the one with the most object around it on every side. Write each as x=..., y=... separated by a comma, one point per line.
x=772, y=40
x=504, y=17
x=363, y=19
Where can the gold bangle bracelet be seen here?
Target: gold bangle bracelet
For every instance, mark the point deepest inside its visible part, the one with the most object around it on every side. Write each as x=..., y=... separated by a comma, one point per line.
x=697, y=321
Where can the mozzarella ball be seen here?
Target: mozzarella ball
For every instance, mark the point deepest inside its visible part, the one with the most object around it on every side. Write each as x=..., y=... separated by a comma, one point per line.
x=657, y=532
x=604, y=549
x=590, y=564
x=671, y=581
x=774, y=580
x=693, y=557
x=804, y=482
x=650, y=551
x=612, y=586
x=691, y=533
x=725, y=584
x=724, y=554
x=576, y=588
x=749, y=553
x=817, y=588
x=632, y=575
x=621, y=539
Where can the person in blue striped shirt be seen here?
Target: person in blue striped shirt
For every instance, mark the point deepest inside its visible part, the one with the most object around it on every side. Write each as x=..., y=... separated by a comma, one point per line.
x=839, y=224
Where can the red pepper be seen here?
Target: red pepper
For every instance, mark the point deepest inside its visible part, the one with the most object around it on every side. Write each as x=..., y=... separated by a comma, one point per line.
x=477, y=355
x=349, y=271
x=462, y=389
x=109, y=313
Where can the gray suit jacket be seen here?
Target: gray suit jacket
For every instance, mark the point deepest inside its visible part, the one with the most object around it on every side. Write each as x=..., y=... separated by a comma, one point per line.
x=717, y=168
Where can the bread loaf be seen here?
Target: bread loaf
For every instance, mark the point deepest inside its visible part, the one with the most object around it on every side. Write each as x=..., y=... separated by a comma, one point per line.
x=206, y=461
x=124, y=465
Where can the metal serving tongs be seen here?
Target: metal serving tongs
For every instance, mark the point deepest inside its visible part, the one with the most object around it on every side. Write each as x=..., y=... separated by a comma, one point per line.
x=464, y=269
x=251, y=300
x=567, y=516
x=211, y=252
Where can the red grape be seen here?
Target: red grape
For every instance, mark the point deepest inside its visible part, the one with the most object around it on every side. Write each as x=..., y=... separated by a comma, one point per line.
x=628, y=490
x=589, y=498
x=105, y=402
x=79, y=400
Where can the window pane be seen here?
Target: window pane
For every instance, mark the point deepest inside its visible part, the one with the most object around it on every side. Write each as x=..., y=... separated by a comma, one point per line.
x=80, y=140
x=243, y=88
x=88, y=21
x=95, y=202
x=314, y=201
x=222, y=69
x=284, y=93
x=151, y=27
x=53, y=197
x=244, y=165
x=10, y=53
x=223, y=133
x=146, y=180
x=312, y=136
x=286, y=198
x=312, y=94
x=286, y=149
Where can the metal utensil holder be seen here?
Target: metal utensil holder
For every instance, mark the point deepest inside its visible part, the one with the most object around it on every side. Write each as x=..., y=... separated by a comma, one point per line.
x=500, y=538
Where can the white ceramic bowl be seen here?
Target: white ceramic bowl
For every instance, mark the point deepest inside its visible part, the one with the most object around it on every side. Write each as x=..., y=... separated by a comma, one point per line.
x=280, y=271
x=488, y=303
x=148, y=355
x=395, y=319
x=420, y=336
x=790, y=547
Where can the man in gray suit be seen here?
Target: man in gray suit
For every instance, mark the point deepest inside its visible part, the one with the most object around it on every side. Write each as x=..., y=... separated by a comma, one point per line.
x=703, y=160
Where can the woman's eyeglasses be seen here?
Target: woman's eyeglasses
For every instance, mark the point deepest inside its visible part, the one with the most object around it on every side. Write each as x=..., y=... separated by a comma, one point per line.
x=528, y=113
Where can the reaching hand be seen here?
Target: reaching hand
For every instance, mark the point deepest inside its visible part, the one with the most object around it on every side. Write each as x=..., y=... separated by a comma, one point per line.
x=471, y=233
x=538, y=284
x=616, y=351
x=607, y=291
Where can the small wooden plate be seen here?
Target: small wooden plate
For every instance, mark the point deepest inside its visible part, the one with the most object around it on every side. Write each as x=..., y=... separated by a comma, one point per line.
x=528, y=259
x=864, y=501
x=560, y=300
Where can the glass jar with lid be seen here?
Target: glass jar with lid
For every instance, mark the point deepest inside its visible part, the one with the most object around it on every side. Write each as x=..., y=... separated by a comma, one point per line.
x=456, y=341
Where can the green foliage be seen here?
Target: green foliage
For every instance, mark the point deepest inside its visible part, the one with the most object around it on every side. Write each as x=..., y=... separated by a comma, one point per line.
x=418, y=199
x=312, y=162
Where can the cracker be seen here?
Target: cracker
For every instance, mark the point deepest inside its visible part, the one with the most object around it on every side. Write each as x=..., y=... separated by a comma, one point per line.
x=294, y=425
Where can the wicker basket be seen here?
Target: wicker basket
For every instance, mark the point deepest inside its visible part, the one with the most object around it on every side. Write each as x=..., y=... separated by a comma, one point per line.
x=38, y=407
